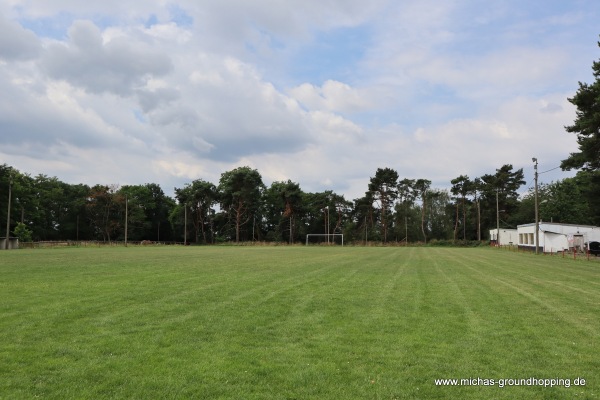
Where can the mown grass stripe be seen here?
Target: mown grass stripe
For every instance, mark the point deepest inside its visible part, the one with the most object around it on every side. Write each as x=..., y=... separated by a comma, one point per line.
x=293, y=322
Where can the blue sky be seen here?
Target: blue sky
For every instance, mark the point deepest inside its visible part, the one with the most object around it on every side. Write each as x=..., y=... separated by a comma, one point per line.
x=322, y=93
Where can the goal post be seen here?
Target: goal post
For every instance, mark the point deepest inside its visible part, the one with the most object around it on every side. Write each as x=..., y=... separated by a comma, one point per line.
x=331, y=236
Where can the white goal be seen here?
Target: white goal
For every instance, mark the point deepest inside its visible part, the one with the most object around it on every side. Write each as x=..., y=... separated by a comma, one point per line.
x=324, y=238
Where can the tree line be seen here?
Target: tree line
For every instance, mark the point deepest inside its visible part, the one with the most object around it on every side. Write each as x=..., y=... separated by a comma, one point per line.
x=240, y=207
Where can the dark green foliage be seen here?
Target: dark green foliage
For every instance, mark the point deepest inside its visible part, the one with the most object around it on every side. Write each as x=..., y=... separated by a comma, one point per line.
x=392, y=210
x=22, y=233
x=240, y=194
x=326, y=212
x=461, y=187
x=586, y=125
x=284, y=208
x=421, y=187
x=569, y=201
x=383, y=188
x=504, y=184
x=587, y=128
x=199, y=197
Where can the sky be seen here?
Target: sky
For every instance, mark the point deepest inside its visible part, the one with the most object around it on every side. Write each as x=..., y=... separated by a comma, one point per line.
x=321, y=92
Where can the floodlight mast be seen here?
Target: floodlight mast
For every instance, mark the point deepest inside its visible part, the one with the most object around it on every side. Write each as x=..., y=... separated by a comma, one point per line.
x=10, y=183
x=126, y=217
x=497, y=219
x=537, y=220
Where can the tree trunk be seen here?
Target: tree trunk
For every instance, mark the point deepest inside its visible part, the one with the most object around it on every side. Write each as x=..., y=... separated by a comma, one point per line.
x=456, y=223
x=423, y=219
x=464, y=219
x=383, y=219
x=239, y=213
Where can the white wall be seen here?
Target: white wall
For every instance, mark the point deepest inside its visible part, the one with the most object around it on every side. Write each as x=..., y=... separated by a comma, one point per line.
x=554, y=237
x=507, y=236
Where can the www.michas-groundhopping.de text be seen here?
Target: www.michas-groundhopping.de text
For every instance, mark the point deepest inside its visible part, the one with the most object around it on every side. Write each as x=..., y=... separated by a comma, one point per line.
x=545, y=382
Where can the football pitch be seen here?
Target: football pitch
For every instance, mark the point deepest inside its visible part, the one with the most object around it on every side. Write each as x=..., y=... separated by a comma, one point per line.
x=297, y=323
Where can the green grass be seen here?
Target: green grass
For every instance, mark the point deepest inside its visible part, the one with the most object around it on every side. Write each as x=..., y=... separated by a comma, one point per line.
x=294, y=323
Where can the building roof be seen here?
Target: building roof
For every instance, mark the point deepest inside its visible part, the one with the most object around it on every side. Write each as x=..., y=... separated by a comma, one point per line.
x=559, y=224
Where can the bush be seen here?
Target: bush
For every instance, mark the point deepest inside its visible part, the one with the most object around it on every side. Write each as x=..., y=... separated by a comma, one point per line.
x=23, y=233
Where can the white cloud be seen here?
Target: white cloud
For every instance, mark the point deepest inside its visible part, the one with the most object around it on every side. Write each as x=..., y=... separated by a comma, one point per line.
x=333, y=96
x=119, y=66
x=133, y=93
x=17, y=43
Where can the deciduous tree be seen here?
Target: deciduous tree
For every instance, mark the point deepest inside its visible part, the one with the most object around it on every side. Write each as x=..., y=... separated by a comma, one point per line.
x=284, y=206
x=199, y=196
x=421, y=187
x=240, y=193
x=461, y=187
x=384, y=189
x=504, y=184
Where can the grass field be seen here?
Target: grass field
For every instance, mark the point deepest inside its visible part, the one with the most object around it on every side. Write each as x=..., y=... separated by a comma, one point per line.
x=295, y=323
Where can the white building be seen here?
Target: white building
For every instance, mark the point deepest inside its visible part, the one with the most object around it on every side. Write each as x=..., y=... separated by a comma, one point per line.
x=508, y=237
x=554, y=237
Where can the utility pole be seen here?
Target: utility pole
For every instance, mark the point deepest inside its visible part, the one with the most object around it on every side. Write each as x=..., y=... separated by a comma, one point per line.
x=126, y=217
x=328, y=224
x=185, y=225
x=497, y=220
x=537, y=220
x=10, y=182
x=478, y=222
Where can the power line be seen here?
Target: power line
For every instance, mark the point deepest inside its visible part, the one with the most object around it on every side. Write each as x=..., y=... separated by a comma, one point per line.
x=539, y=173
x=549, y=170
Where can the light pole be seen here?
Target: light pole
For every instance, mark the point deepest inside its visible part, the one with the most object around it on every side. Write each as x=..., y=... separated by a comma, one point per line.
x=10, y=182
x=326, y=217
x=126, y=217
x=478, y=222
x=497, y=220
x=537, y=221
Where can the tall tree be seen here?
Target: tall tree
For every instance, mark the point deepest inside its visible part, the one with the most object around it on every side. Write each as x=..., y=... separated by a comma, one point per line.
x=105, y=207
x=75, y=225
x=157, y=212
x=325, y=212
x=587, y=128
x=586, y=125
x=476, y=192
x=199, y=196
x=50, y=201
x=384, y=189
x=565, y=201
x=240, y=191
x=138, y=199
x=363, y=216
x=343, y=209
x=439, y=217
x=406, y=198
x=421, y=187
x=504, y=184
x=284, y=207
x=461, y=187
x=8, y=178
